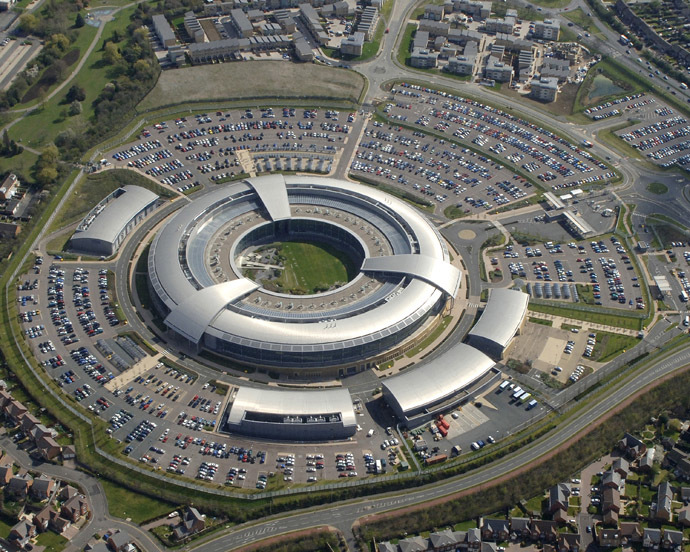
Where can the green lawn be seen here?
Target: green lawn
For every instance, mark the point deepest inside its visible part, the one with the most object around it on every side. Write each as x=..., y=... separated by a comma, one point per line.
x=430, y=338
x=310, y=267
x=657, y=188
x=40, y=127
x=52, y=541
x=21, y=163
x=95, y=187
x=610, y=345
x=124, y=503
x=618, y=321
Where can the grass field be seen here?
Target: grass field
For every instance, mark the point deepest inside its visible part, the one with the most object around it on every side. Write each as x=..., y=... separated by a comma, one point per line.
x=95, y=187
x=52, y=541
x=41, y=126
x=615, y=320
x=310, y=267
x=657, y=188
x=610, y=345
x=124, y=503
x=21, y=163
x=253, y=81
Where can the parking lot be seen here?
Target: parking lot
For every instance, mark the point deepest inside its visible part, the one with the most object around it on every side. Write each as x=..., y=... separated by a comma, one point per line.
x=435, y=169
x=636, y=103
x=662, y=136
x=193, y=151
x=598, y=272
x=546, y=156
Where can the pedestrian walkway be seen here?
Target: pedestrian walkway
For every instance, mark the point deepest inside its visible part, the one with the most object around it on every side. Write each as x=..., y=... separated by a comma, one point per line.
x=558, y=321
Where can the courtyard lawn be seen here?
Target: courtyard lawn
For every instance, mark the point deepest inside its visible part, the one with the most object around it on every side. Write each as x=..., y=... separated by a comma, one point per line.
x=311, y=267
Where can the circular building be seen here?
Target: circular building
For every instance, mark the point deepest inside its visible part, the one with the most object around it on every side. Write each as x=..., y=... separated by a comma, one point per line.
x=215, y=275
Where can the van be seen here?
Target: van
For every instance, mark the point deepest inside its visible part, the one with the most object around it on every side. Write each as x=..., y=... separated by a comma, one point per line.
x=686, y=321
x=370, y=433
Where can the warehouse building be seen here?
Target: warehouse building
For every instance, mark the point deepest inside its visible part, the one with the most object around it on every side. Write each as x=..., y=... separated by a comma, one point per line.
x=107, y=225
x=418, y=395
x=291, y=415
x=501, y=320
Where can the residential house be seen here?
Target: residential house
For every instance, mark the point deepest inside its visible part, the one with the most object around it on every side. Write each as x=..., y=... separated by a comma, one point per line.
x=58, y=523
x=611, y=500
x=42, y=519
x=630, y=532
x=48, y=448
x=19, y=485
x=683, y=467
x=28, y=422
x=610, y=518
x=520, y=528
x=621, y=466
x=558, y=497
x=672, y=458
x=386, y=547
x=42, y=487
x=21, y=534
x=37, y=432
x=446, y=540
x=544, y=530
x=672, y=540
x=489, y=547
x=14, y=410
x=631, y=446
x=68, y=452
x=120, y=541
x=646, y=461
x=609, y=538
x=474, y=539
x=192, y=522
x=611, y=480
x=569, y=542
x=651, y=538
x=5, y=398
x=413, y=544
x=74, y=508
x=684, y=516
x=685, y=494
x=664, y=499
x=495, y=530
x=6, y=474
x=67, y=492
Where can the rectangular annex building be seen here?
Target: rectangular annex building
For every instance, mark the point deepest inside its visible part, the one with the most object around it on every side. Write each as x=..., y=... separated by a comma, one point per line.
x=295, y=415
x=103, y=230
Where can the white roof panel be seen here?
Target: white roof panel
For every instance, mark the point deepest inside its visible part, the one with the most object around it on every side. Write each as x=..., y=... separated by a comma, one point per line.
x=193, y=315
x=286, y=402
x=502, y=316
x=442, y=377
x=436, y=272
x=273, y=195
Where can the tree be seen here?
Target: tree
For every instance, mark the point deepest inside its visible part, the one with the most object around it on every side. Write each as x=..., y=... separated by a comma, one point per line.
x=75, y=92
x=79, y=21
x=28, y=23
x=111, y=54
x=46, y=176
x=75, y=108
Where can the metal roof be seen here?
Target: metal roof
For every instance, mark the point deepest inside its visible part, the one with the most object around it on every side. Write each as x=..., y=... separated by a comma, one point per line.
x=191, y=317
x=273, y=194
x=117, y=213
x=163, y=27
x=175, y=284
x=286, y=402
x=436, y=272
x=502, y=316
x=444, y=376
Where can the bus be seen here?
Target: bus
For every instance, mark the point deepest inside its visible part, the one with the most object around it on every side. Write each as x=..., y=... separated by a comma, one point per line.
x=522, y=398
x=517, y=392
x=683, y=296
x=505, y=384
x=624, y=40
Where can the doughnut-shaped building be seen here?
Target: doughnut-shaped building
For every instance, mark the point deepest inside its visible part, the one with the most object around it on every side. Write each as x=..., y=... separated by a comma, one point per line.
x=200, y=261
